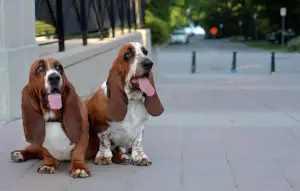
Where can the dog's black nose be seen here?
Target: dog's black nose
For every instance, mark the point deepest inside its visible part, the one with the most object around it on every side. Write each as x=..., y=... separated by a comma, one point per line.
x=147, y=64
x=54, y=78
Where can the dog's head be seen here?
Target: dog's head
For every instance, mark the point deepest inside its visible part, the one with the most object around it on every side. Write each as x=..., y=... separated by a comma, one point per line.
x=49, y=95
x=132, y=72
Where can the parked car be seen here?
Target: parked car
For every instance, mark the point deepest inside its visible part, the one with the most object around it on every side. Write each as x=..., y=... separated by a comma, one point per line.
x=179, y=36
x=194, y=30
x=275, y=37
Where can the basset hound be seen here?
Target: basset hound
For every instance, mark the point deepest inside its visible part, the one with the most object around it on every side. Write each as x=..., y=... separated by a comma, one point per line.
x=119, y=110
x=55, y=120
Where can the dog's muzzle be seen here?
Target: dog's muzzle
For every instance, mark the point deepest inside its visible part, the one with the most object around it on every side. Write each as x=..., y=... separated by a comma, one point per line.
x=147, y=64
x=54, y=81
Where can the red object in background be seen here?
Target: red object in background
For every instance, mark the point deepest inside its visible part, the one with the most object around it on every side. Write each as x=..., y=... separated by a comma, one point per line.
x=213, y=31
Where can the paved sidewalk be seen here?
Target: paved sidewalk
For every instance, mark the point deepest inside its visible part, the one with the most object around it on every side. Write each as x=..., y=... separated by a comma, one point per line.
x=49, y=49
x=217, y=134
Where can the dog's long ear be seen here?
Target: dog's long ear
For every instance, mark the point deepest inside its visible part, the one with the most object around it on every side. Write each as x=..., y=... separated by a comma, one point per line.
x=153, y=104
x=33, y=122
x=117, y=102
x=72, y=115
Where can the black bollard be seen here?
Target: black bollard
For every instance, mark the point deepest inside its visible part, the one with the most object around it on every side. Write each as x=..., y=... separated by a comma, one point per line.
x=273, y=70
x=233, y=68
x=193, y=62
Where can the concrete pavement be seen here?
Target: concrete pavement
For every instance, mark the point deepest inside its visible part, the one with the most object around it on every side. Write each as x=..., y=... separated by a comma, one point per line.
x=219, y=132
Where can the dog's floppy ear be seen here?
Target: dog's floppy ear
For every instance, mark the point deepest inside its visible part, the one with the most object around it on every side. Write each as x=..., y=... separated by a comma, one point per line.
x=72, y=115
x=117, y=102
x=153, y=104
x=33, y=122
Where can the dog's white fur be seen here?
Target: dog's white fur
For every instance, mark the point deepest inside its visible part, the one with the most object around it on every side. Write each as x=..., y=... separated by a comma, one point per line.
x=46, y=78
x=56, y=141
x=129, y=132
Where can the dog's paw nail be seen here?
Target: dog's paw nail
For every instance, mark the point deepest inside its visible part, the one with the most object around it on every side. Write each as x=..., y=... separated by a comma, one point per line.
x=80, y=173
x=143, y=162
x=46, y=170
x=16, y=156
x=103, y=160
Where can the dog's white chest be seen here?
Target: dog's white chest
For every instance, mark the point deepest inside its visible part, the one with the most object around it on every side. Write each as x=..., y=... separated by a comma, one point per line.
x=56, y=142
x=123, y=133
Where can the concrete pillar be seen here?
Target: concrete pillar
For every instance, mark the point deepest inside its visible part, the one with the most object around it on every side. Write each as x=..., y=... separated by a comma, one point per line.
x=18, y=50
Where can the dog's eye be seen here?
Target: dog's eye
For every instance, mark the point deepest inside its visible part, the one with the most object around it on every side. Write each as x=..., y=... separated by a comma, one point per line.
x=40, y=68
x=128, y=55
x=145, y=51
x=59, y=68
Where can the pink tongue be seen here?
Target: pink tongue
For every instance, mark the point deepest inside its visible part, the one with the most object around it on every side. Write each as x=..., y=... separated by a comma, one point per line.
x=55, y=101
x=145, y=86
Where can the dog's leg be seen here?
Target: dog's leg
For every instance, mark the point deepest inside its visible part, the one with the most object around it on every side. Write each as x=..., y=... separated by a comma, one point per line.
x=93, y=146
x=30, y=152
x=138, y=156
x=120, y=156
x=79, y=168
x=104, y=154
x=50, y=164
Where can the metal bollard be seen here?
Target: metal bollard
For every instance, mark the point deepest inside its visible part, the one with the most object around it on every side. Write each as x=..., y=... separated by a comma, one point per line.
x=233, y=68
x=273, y=70
x=193, y=62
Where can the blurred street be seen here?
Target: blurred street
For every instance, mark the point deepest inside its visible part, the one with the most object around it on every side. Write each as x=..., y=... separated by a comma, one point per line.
x=215, y=57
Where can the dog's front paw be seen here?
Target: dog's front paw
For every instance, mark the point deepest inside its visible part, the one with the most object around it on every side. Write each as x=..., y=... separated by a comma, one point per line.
x=100, y=160
x=125, y=159
x=121, y=158
x=80, y=173
x=145, y=161
x=16, y=156
x=45, y=169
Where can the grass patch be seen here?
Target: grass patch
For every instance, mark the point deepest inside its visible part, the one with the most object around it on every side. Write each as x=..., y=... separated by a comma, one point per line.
x=263, y=45
x=44, y=29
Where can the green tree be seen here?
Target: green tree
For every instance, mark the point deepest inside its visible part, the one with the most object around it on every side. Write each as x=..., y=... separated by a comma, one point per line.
x=177, y=16
x=159, y=28
x=271, y=10
x=160, y=8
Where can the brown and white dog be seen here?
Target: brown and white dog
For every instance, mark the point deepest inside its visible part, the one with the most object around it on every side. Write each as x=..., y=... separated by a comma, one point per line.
x=119, y=110
x=55, y=120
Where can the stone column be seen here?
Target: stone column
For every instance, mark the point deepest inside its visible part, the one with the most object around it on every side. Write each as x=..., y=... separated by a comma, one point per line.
x=18, y=50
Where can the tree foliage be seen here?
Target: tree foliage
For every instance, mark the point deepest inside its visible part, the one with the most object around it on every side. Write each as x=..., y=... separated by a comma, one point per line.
x=177, y=15
x=230, y=13
x=160, y=8
x=159, y=28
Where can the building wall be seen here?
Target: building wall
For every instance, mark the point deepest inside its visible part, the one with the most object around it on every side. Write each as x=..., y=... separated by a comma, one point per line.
x=18, y=50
